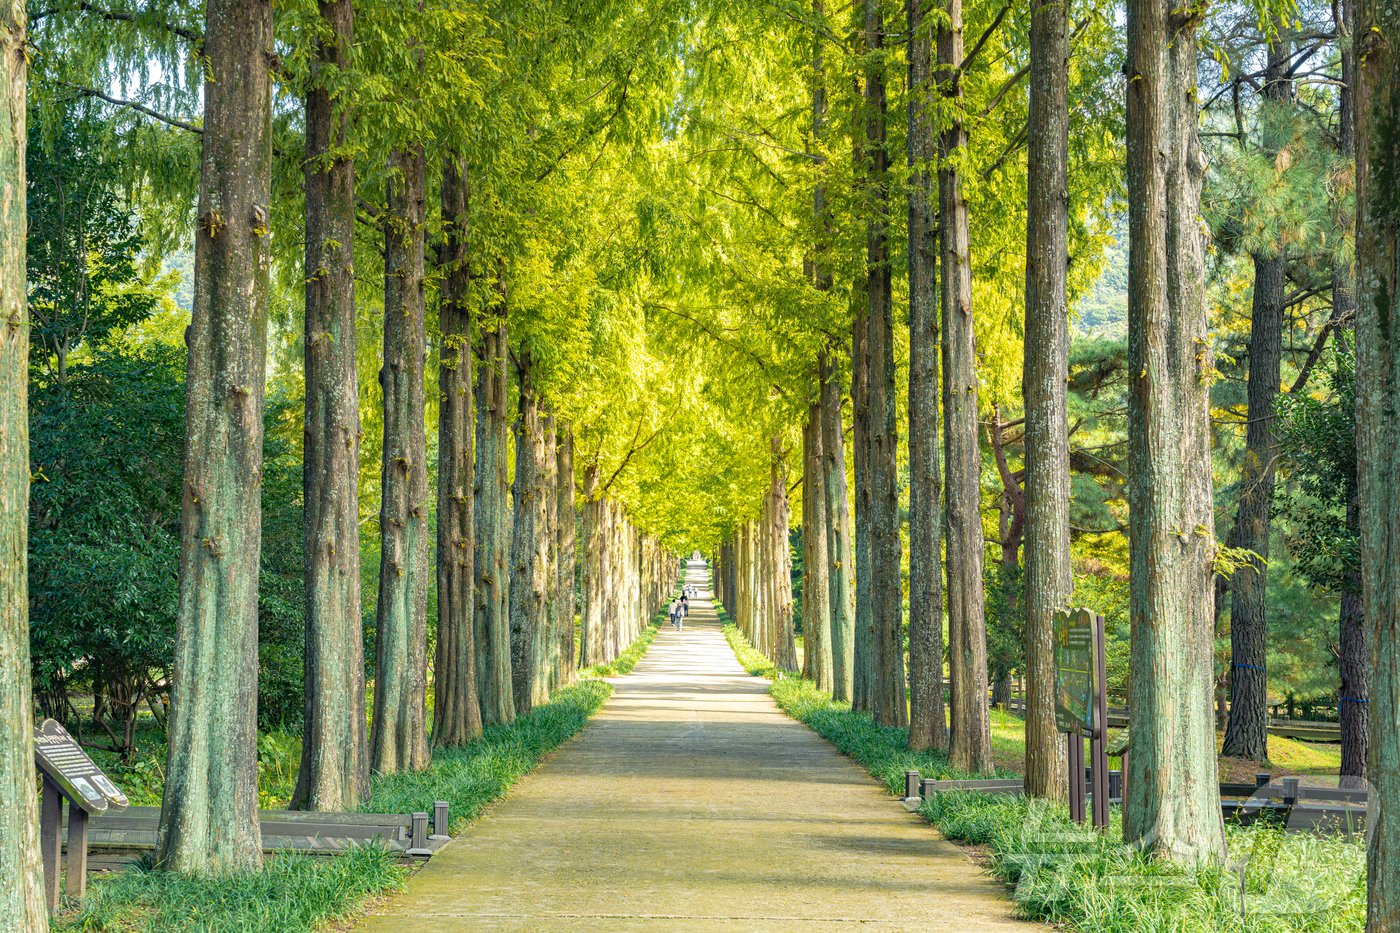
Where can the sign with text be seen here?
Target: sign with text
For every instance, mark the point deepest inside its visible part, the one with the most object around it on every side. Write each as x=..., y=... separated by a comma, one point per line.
x=1074, y=671
x=59, y=756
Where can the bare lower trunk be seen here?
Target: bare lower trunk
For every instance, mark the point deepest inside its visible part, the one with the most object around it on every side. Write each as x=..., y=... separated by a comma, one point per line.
x=23, y=906
x=1377, y=100
x=1247, y=731
x=528, y=570
x=456, y=709
x=969, y=746
x=399, y=737
x=816, y=592
x=565, y=527
x=1048, y=579
x=841, y=600
x=780, y=565
x=491, y=523
x=334, y=771
x=1173, y=806
x=209, y=806
x=927, y=717
x=592, y=636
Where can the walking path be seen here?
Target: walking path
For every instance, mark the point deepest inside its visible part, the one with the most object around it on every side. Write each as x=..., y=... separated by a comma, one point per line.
x=692, y=803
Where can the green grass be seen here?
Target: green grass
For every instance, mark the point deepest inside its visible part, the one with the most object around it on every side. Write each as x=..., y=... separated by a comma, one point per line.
x=1078, y=879
x=629, y=658
x=303, y=893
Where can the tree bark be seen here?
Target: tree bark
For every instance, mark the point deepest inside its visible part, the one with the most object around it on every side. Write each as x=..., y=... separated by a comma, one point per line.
x=927, y=717
x=23, y=905
x=863, y=695
x=1048, y=580
x=592, y=636
x=969, y=746
x=1173, y=806
x=209, y=807
x=1377, y=101
x=780, y=565
x=456, y=709
x=841, y=596
x=816, y=592
x=528, y=571
x=890, y=704
x=399, y=736
x=491, y=522
x=334, y=774
x=546, y=539
x=1247, y=729
x=565, y=525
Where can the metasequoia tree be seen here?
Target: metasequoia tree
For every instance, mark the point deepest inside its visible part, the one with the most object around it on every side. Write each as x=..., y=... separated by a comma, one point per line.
x=1247, y=730
x=22, y=902
x=399, y=737
x=1048, y=581
x=456, y=709
x=528, y=568
x=841, y=599
x=591, y=635
x=565, y=524
x=927, y=721
x=816, y=613
x=1377, y=103
x=969, y=742
x=779, y=561
x=334, y=771
x=1173, y=806
x=209, y=806
x=491, y=522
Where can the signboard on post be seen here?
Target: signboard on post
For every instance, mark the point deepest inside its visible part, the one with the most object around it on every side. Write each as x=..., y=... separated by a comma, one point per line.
x=61, y=759
x=1074, y=671
x=69, y=774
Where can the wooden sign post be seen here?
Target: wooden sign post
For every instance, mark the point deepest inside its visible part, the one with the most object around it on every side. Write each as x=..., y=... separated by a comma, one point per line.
x=68, y=774
x=1081, y=706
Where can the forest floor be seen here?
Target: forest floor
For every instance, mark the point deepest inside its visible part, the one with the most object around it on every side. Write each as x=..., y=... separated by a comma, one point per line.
x=692, y=803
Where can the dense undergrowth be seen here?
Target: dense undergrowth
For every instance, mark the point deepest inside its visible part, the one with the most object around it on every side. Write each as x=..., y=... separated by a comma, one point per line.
x=1069, y=875
x=304, y=892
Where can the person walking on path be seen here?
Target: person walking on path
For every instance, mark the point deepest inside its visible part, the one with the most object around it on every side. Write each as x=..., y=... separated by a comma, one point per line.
x=675, y=613
x=685, y=611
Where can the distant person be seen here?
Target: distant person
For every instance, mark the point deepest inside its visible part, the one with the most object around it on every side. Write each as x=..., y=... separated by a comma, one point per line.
x=675, y=612
x=684, y=611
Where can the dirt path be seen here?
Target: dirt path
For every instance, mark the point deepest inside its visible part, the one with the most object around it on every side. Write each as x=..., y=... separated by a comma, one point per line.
x=692, y=803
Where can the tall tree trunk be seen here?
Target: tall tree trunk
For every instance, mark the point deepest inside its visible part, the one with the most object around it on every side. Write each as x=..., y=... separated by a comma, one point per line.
x=1353, y=705
x=546, y=539
x=565, y=549
x=1173, y=806
x=1377, y=100
x=399, y=736
x=209, y=807
x=1247, y=729
x=23, y=905
x=887, y=588
x=491, y=522
x=841, y=599
x=456, y=709
x=527, y=570
x=780, y=567
x=927, y=718
x=816, y=593
x=592, y=635
x=969, y=745
x=334, y=771
x=1048, y=581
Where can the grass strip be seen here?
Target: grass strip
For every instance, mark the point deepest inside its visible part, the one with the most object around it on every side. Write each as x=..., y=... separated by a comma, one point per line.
x=295, y=892
x=1071, y=876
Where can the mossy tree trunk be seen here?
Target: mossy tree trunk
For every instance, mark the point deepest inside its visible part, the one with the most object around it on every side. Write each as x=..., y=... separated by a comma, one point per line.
x=1378, y=430
x=334, y=772
x=927, y=718
x=816, y=593
x=209, y=806
x=1173, y=806
x=527, y=561
x=22, y=903
x=491, y=523
x=456, y=709
x=969, y=742
x=1048, y=580
x=399, y=737
x=592, y=634
x=841, y=600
